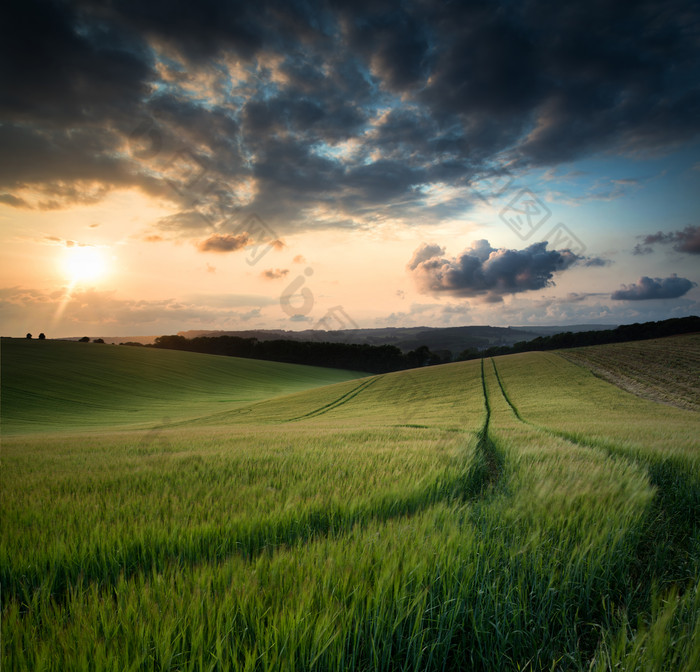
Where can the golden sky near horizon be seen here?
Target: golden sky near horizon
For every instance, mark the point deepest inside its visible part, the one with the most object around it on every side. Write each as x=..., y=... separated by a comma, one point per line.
x=342, y=166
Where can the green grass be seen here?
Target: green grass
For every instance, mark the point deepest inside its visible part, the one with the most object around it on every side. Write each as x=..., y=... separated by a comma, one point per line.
x=59, y=385
x=517, y=514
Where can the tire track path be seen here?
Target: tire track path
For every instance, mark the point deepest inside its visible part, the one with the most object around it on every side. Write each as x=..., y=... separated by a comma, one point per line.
x=154, y=551
x=337, y=402
x=667, y=548
x=485, y=469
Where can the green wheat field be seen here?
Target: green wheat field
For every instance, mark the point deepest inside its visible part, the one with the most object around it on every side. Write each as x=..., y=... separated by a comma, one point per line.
x=166, y=510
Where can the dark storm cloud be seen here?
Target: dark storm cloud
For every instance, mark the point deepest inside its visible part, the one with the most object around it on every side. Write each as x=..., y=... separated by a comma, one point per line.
x=328, y=120
x=420, y=93
x=198, y=30
x=58, y=65
x=687, y=240
x=654, y=288
x=203, y=125
x=33, y=154
x=395, y=43
x=485, y=271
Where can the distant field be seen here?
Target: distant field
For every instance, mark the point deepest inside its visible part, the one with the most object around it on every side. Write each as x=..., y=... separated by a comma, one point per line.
x=662, y=369
x=515, y=513
x=59, y=385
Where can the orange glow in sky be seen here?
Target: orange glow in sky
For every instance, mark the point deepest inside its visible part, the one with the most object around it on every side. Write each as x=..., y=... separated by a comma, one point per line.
x=84, y=264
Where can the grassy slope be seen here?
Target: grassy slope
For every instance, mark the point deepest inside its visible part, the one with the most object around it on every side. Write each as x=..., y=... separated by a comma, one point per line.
x=562, y=400
x=438, y=397
x=554, y=393
x=58, y=385
x=416, y=519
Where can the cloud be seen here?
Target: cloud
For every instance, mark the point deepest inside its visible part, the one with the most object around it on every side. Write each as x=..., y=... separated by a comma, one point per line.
x=224, y=242
x=687, y=240
x=274, y=273
x=229, y=300
x=577, y=297
x=250, y=314
x=593, y=262
x=424, y=253
x=14, y=201
x=487, y=272
x=654, y=288
x=350, y=110
x=63, y=242
x=104, y=312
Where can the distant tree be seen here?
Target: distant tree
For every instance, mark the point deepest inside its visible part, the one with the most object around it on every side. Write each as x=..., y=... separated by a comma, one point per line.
x=84, y=339
x=98, y=340
x=42, y=336
x=468, y=353
x=419, y=357
x=29, y=335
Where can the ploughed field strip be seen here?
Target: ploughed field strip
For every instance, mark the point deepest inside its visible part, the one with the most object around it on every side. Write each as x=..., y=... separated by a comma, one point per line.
x=511, y=513
x=554, y=393
x=661, y=369
x=636, y=430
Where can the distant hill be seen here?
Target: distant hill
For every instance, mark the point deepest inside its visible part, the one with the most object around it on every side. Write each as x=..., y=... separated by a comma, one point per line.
x=625, y=332
x=145, y=340
x=571, y=328
x=454, y=339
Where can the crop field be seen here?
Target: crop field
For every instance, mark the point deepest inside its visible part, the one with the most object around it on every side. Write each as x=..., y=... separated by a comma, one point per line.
x=54, y=386
x=514, y=513
x=662, y=369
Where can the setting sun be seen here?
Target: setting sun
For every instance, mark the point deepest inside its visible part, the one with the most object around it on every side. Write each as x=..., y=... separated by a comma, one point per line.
x=84, y=263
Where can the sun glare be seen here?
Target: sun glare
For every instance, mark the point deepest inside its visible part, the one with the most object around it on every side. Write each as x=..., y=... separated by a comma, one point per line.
x=84, y=263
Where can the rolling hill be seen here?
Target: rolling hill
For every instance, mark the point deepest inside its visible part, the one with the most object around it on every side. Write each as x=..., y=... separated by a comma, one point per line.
x=509, y=513
x=61, y=385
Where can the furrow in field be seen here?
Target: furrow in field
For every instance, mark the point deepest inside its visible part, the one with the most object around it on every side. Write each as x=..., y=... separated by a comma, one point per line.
x=337, y=402
x=671, y=532
x=365, y=547
x=503, y=392
x=553, y=492
x=463, y=478
x=486, y=467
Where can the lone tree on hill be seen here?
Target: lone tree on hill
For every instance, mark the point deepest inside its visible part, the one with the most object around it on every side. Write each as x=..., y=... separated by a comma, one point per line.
x=29, y=335
x=84, y=339
x=42, y=336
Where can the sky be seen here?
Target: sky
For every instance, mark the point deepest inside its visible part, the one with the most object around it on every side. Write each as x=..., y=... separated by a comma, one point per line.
x=170, y=166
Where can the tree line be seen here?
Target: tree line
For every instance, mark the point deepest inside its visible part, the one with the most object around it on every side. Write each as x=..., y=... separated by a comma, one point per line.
x=626, y=332
x=356, y=357
x=385, y=358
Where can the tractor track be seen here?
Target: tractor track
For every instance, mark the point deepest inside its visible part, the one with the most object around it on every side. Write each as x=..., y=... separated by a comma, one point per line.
x=673, y=518
x=337, y=402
